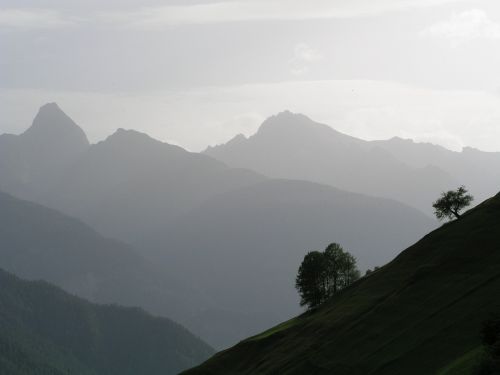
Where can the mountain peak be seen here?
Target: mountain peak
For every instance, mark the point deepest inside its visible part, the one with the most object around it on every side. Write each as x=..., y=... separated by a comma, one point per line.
x=126, y=140
x=51, y=125
x=288, y=124
x=288, y=116
x=122, y=135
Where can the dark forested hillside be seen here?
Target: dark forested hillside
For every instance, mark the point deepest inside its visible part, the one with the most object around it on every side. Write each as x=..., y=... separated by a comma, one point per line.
x=46, y=331
x=416, y=315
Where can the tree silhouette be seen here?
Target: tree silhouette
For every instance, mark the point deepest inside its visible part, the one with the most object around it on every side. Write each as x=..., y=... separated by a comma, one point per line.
x=322, y=274
x=451, y=203
x=311, y=281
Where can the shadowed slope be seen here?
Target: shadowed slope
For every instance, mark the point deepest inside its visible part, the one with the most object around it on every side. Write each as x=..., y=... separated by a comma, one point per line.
x=414, y=316
x=45, y=331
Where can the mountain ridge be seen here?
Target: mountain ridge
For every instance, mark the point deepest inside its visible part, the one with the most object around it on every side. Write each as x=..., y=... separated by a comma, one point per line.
x=293, y=146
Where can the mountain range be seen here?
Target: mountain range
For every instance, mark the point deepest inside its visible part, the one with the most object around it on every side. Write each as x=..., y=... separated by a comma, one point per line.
x=207, y=228
x=293, y=146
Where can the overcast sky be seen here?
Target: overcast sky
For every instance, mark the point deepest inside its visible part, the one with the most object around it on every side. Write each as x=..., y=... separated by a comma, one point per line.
x=196, y=73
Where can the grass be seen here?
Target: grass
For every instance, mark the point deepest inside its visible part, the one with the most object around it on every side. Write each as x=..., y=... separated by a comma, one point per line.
x=465, y=365
x=414, y=316
x=280, y=327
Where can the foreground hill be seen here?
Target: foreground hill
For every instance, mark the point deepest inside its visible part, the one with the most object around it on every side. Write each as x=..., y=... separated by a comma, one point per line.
x=416, y=315
x=43, y=330
x=293, y=146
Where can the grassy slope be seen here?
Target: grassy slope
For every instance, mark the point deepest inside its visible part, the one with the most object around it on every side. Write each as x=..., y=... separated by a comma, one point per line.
x=44, y=330
x=414, y=316
x=465, y=365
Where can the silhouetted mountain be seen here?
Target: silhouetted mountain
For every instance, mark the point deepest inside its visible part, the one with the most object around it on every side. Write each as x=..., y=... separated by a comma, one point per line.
x=40, y=243
x=182, y=209
x=416, y=315
x=469, y=166
x=31, y=161
x=293, y=146
x=243, y=248
x=43, y=330
x=130, y=184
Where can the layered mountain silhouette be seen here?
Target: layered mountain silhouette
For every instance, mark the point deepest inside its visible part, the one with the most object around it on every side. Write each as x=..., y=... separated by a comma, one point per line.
x=38, y=243
x=223, y=232
x=468, y=167
x=130, y=184
x=417, y=315
x=293, y=146
x=44, y=330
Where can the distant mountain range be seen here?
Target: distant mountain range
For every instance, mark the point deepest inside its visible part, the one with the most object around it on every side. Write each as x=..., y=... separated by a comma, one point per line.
x=293, y=146
x=46, y=331
x=420, y=314
x=231, y=237
x=38, y=243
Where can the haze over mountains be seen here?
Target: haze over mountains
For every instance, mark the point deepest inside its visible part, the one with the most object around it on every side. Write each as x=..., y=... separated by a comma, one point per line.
x=293, y=146
x=38, y=243
x=202, y=223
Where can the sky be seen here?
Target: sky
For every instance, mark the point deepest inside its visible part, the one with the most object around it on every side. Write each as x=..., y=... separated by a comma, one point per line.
x=196, y=73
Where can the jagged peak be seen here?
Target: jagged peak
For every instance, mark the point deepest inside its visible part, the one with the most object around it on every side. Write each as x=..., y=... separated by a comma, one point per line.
x=52, y=124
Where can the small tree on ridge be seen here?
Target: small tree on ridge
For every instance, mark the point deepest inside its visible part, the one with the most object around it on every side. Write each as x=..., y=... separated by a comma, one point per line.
x=451, y=203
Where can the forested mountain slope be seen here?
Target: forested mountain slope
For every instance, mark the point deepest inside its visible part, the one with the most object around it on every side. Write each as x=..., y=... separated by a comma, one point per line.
x=46, y=331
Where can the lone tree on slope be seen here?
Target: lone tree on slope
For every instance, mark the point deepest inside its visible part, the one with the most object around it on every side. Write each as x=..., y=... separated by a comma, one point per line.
x=451, y=203
x=322, y=274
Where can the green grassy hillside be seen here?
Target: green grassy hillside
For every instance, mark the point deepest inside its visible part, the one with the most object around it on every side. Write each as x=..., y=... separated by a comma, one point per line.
x=417, y=315
x=45, y=331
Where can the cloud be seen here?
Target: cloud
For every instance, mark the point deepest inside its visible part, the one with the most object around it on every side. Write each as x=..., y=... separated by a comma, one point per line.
x=27, y=19
x=258, y=10
x=465, y=26
x=303, y=57
x=222, y=11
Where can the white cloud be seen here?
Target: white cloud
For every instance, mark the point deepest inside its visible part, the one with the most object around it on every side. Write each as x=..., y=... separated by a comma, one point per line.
x=303, y=57
x=465, y=26
x=220, y=11
x=258, y=10
x=32, y=19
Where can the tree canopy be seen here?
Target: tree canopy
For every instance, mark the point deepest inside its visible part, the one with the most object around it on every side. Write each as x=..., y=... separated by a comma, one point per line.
x=323, y=274
x=451, y=203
